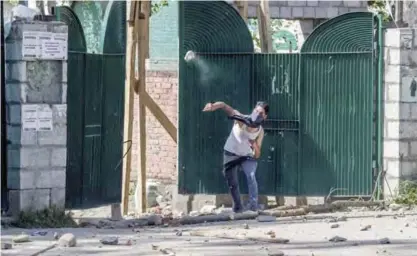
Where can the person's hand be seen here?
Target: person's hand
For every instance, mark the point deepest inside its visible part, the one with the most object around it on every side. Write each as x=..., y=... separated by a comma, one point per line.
x=208, y=107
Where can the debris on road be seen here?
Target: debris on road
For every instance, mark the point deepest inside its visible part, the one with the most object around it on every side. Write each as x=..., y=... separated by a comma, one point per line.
x=365, y=228
x=337, y=239
x=154, y=247
x=276, y=253
x=6, y=246
x=113, y=240
x=384, y=240
x=246, y=226
x=335, y=225
x=67, y=240
x=22, y=238
x=179, y=233
x=167, y=251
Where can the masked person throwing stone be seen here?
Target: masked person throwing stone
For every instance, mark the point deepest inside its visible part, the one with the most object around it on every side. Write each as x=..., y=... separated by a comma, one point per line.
x=242, y=149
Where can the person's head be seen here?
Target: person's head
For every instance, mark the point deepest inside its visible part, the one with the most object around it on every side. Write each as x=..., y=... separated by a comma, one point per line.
x=262, y=109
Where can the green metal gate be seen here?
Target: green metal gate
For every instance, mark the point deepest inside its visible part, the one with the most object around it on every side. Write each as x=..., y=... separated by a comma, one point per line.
x=321, y=127
x=95, y=105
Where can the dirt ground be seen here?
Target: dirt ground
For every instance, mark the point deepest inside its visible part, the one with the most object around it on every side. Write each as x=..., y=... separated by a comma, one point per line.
x=388, y=233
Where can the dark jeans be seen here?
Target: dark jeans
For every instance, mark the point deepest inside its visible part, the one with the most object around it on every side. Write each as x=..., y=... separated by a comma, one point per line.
x=231, y=165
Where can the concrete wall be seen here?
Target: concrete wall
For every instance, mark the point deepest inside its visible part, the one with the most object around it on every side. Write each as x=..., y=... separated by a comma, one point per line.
x=36, y=159
x=400, y=127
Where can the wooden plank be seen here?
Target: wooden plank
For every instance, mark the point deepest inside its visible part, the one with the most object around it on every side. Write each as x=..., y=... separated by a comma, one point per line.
x=242, y=6
x=142, y=42
x=264, y=26
x=159, y=115
x=128, y=112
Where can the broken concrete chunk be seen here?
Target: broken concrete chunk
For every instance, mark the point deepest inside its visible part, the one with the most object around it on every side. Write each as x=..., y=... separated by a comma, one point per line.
x=208, y=209
x=22, y=238
x=395, y=207
x=335, y=225
x=365, y=228
x=384, y=240
x=67, y=240
x=167, y=251
x=337, y=239
x=110, y=240
x=266, y=218
x=276, y=253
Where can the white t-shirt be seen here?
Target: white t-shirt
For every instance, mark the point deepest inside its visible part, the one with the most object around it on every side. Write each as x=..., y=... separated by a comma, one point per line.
x=238, y=140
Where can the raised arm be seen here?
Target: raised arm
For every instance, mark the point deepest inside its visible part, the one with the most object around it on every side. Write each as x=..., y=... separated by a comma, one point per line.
x=220, y=105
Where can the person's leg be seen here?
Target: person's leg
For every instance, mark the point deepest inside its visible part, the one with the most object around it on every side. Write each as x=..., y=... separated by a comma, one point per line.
x=249, y=167
x=231, y=175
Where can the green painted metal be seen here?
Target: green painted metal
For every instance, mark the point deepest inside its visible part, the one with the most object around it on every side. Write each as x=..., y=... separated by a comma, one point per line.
x=90, y=14
x=275, y=80
x=379, y=123
x=95, y=113
x=319, y=134
x=336, y=81
x=113, y=35
x=213, y=77
x=77, y=42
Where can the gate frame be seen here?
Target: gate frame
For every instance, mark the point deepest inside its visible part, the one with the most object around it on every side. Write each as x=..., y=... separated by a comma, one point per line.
x=376, y=131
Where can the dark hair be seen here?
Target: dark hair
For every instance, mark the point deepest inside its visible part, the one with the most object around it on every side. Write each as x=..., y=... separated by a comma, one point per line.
x=264, y=105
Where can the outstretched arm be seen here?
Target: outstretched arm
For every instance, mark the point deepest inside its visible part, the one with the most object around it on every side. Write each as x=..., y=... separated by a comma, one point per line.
x=220, y=105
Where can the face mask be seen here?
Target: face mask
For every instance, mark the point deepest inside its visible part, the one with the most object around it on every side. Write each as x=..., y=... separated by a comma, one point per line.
x=256, y=119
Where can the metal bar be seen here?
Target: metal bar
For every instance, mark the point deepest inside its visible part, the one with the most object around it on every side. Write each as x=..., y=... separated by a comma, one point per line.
x=379, y=101
x=3, y=131
x=303, y=53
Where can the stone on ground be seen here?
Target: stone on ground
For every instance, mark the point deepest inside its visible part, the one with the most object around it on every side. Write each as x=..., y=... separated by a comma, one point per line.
x=365, y=228
x=22, y=238
x=384, y=240
x=276, y=253
x=109, y=240
x=208, y=209
x=337, y=239
x=335, y=225
x=67, y=240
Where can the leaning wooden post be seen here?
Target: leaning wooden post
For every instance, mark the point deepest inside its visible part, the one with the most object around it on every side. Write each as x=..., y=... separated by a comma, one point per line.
x=242, y=6
x=264, y=26
x=129, y=103
x=143, y=44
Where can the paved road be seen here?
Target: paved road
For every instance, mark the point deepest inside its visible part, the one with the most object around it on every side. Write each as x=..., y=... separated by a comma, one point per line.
x=307, y=238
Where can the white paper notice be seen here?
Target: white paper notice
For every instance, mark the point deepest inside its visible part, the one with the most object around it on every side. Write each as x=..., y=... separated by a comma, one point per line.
x=45, y=122
x=29, y=117
x=37, y=117
x=54, y=46
x=30, y=45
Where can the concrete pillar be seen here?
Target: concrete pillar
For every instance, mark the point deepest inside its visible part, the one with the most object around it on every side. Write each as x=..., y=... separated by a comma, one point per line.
x=36, y=118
